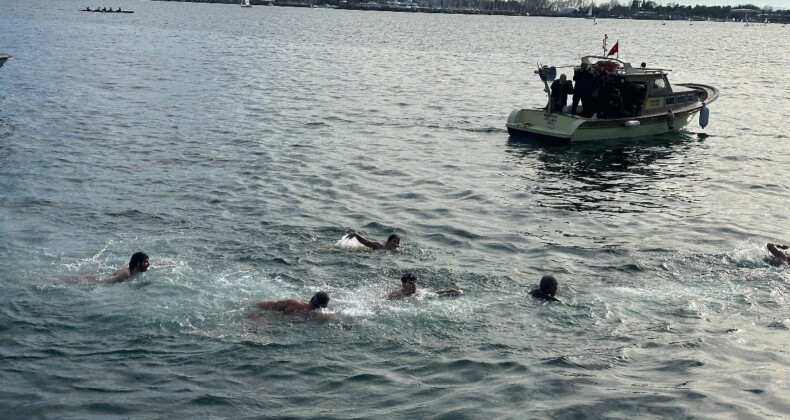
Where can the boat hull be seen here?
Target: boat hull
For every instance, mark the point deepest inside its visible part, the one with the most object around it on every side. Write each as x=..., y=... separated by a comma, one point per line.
x=541, y=125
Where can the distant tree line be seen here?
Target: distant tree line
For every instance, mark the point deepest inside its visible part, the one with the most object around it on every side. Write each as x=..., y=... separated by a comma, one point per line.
x=638, y=9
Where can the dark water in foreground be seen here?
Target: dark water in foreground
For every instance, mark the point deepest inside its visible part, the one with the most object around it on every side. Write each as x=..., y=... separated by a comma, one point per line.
x=237, y=146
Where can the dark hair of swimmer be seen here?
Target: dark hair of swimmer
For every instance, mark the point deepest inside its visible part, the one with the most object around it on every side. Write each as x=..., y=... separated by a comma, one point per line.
x=393, y=241
x=549, y=284
x=407, y=278
x=319, y=300
x=137, y=259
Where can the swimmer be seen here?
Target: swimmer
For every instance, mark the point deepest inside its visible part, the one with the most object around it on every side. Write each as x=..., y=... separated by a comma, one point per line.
x=547, y=290
x=291, y=306
x=138, y=264
x=393, y=242
x=409, y=288
x=779, y=256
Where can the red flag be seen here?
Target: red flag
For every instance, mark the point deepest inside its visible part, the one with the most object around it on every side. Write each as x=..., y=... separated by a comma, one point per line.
x=614, y=49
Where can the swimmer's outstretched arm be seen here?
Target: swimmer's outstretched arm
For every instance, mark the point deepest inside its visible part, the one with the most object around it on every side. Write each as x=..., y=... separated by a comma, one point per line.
x=367, y=242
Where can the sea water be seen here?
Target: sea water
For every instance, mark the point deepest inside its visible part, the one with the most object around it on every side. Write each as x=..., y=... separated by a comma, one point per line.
x=235, y=146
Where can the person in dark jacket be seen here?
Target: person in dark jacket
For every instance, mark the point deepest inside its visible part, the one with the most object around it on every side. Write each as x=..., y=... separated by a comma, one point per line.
x=583, y=78
x=598, y=95
x=560, y=89
x=615, y=107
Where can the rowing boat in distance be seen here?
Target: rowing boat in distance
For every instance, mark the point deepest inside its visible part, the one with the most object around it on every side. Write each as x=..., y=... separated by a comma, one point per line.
x=103, y=10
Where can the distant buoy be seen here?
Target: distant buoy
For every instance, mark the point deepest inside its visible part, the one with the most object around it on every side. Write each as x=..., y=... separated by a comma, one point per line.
x=704, y=114
x=632, y=123
x=670, y=120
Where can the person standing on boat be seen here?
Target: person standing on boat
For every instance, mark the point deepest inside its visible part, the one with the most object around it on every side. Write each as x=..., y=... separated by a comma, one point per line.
x=631, y=103
x=598, y=97
x=560, y=89
x=581, y=92
x=615, y=107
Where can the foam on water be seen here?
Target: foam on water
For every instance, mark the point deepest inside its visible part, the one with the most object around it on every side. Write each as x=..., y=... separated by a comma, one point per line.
x=351, y=243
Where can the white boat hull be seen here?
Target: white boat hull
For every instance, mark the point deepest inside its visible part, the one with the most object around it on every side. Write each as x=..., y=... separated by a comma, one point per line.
x=537, y=123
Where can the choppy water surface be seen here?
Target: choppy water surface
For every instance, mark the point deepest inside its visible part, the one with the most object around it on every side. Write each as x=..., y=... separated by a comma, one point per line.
x=236, y=146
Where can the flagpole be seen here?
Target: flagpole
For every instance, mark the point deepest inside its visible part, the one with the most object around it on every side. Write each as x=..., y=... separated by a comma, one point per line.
x=618, y=48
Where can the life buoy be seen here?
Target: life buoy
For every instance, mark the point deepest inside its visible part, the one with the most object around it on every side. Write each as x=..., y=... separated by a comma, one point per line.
x=609, y=66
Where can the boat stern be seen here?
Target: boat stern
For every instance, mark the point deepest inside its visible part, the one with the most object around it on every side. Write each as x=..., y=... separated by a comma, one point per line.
x=541, y=124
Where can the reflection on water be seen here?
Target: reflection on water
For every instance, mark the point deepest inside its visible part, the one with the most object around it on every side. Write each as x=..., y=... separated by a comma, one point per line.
x=611, y=176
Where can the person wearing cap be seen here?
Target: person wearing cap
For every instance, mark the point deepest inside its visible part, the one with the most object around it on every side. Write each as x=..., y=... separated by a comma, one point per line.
x=547, y=289
x=291, y=306
x=409, y=288
x=393, y=241
x=779, y=256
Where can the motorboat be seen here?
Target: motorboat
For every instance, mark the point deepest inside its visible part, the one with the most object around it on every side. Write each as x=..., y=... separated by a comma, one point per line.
x=4, y=58
x=652, y=106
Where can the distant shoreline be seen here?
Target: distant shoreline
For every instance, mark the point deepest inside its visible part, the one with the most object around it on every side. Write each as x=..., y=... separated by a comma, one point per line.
x=511, y=8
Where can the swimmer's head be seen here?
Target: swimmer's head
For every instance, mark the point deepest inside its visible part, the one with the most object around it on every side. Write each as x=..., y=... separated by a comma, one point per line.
x=393, y=242
x=409, y=282
x=319, y=300
x=138, y=262
x=549, y=284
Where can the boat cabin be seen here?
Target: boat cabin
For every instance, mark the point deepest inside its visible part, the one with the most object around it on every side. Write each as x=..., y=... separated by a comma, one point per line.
x=647, y=89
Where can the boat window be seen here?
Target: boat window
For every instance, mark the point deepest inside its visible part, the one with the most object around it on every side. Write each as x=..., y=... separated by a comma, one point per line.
x=692, y=97
x=670, y=100
x=659, y=84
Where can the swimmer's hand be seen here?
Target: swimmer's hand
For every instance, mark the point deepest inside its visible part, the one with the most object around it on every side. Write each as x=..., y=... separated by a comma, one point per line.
x=450, y=292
